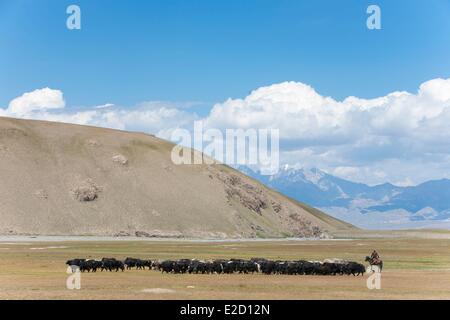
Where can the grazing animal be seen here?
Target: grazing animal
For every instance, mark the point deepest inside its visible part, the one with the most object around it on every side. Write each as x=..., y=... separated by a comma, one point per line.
x=268, y=267
x=112, y=264
x=181, y=266
x=167, y=266
x=329, y=267
x=156, y=265
x=217, y=266
x=147, y=263
x=354, y=268
x=90, y=265
x=137, y=263
x=75, y=262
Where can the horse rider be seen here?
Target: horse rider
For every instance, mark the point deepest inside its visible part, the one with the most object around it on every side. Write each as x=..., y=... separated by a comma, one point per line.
x=375, y=257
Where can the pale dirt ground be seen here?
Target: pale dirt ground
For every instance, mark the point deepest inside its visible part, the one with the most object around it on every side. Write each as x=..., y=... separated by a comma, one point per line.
x=414, y=269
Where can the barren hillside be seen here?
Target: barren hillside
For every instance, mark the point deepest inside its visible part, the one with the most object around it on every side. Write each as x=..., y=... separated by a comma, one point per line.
x=61, y=179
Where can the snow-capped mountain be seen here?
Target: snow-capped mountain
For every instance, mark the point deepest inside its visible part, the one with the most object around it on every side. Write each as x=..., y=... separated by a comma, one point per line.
x=383, y=206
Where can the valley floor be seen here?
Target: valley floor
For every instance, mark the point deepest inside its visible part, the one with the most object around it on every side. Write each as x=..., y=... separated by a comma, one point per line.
x=414, y=269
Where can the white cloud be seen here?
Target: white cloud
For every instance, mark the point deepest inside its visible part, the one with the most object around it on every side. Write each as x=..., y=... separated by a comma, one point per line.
x=437, y=89
x=104, y=106
x=41, y=99
x=48, y=104
x=400, y=138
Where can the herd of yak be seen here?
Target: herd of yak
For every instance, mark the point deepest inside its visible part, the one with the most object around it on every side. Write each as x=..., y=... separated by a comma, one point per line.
x=222, y=266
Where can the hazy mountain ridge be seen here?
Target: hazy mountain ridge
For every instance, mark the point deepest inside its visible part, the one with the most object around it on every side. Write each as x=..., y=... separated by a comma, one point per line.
x=426, y=202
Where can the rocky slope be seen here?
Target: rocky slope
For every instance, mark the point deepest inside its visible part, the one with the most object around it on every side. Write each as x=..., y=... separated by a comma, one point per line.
x=60, y=179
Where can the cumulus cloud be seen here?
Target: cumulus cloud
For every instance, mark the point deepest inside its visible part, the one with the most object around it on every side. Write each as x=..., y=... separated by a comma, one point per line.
x=48, y=104
x=402, y=137
x=41, y=99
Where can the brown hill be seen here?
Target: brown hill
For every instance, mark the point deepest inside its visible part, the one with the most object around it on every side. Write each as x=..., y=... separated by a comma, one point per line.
x=61, y=179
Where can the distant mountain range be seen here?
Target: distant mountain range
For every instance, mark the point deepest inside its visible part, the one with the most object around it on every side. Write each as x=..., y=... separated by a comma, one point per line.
x=383, y=206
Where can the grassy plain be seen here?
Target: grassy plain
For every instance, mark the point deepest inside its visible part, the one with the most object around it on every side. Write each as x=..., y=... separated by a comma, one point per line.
x=414, y=269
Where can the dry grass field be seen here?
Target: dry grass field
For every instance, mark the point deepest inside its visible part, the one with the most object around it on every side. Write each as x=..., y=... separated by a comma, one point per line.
x=414, y=269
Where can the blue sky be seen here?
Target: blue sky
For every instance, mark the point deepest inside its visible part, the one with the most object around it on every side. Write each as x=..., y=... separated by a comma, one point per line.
x=207, y=51
x=163, y=64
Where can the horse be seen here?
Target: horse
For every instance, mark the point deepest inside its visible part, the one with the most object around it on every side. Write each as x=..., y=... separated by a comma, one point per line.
x=373, y=262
